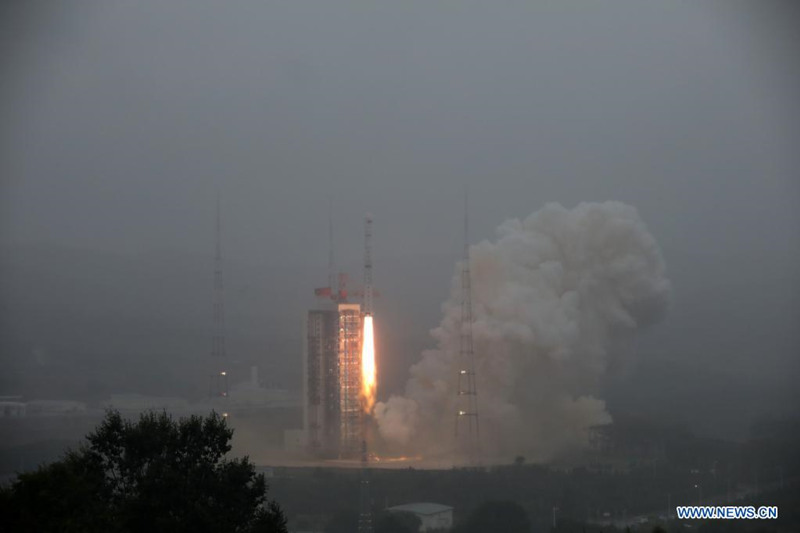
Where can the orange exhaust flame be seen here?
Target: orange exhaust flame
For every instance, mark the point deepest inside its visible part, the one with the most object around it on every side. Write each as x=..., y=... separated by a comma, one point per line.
x=368, y=379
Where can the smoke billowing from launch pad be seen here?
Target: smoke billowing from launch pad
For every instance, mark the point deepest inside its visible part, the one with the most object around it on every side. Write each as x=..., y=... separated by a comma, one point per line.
x=556, y=299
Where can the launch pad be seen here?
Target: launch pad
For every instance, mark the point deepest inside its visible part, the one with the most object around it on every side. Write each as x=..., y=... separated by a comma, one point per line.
x=339, y=372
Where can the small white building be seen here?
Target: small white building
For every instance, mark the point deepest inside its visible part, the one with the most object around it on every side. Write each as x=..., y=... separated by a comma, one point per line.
x=432, y=515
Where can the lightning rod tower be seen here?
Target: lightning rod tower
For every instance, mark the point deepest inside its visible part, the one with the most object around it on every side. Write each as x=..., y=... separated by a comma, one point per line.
x=331, y=262
x=218, y=380
x=467, y=425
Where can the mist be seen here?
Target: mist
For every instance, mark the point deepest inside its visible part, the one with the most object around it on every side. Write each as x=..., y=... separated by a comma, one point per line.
x=120, y=122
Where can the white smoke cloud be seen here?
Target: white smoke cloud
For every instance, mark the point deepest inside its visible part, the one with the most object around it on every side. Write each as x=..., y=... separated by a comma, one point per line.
x=556, y=298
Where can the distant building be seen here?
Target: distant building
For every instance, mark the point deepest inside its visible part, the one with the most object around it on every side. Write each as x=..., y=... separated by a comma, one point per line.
x=433, y=516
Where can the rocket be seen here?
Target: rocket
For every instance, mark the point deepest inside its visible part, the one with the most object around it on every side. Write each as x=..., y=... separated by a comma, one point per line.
x=368, y=265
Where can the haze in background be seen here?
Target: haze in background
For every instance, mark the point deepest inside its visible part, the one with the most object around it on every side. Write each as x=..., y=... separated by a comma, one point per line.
x=119, y=122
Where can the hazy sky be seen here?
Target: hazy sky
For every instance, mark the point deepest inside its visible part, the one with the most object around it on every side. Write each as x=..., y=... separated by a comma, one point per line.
x=118, y=120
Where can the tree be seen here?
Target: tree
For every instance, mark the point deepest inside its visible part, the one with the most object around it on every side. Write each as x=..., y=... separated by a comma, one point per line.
x=505, y=516
x=153, y=475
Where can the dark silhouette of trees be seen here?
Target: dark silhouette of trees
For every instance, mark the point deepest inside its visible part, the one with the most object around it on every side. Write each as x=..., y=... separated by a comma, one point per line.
x=500, y=516
x=152, y=475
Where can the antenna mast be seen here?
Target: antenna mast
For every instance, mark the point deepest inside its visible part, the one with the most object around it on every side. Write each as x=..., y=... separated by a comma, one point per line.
x=218, y=382
x=467, y=426
x=331, y=267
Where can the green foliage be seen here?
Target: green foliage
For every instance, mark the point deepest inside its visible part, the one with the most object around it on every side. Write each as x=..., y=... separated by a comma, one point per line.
x=397, y=522
x=152, y=475
x=63, y=496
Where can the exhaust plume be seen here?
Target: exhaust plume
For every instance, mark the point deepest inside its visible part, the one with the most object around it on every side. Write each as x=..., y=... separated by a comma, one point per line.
x=368, y=379
x=556, y=299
